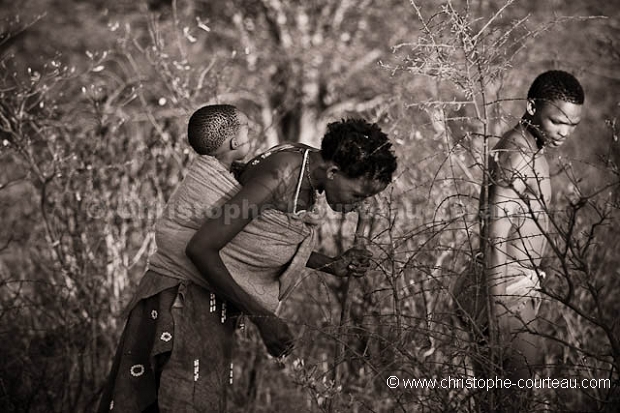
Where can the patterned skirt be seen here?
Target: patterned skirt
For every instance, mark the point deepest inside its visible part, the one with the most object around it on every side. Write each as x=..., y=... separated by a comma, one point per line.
x=175, y=352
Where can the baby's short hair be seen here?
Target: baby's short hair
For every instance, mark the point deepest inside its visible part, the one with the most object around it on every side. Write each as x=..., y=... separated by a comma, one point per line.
x=556, y=85
x=210, y=126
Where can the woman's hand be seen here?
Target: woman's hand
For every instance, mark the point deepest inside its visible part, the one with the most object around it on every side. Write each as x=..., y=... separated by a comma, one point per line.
x=275, y=334
x=355, y=262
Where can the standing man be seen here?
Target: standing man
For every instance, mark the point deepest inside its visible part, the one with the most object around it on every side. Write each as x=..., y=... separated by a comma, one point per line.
x=519, y=192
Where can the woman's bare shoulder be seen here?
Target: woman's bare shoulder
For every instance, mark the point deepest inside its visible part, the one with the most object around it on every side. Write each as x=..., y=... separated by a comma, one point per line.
x=279, y=165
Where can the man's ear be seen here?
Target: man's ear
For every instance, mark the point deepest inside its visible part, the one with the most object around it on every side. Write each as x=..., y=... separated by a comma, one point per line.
x=530, y=107
x=331, y=171
x=233, y=143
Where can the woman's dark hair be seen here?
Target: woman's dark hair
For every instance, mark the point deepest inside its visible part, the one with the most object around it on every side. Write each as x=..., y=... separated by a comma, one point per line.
x=359, y=149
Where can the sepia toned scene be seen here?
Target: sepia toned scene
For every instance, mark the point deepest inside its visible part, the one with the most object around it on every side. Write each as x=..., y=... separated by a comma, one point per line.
x=309, y=206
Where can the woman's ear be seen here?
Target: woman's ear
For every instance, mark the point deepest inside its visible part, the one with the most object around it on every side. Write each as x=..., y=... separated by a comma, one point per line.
x=331, y=171
x=530, y=107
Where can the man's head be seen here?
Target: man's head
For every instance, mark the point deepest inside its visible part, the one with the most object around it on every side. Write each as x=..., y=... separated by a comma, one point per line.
x=554, y=105
x=218, y=129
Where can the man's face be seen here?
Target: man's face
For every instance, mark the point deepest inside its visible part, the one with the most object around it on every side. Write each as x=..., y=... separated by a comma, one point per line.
x=555, y=121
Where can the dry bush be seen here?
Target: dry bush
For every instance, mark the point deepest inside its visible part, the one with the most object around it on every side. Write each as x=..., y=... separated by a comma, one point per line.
x=92, y=153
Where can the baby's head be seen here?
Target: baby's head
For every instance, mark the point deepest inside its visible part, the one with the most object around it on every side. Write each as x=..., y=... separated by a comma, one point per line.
x=220, y=131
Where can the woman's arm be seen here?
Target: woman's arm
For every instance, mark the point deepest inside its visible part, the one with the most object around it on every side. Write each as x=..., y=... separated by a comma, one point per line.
x=203, y=249
x=320, y=262
x=354, y=261
x=219, y=229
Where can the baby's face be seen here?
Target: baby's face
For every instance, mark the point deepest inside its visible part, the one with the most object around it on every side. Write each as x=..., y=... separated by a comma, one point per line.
x=243, y=139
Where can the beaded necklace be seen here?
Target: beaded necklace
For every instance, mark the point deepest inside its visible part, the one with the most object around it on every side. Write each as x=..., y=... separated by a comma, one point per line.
x=313, y=201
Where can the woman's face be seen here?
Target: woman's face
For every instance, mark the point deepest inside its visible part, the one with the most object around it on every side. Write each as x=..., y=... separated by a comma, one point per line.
x=343, y=194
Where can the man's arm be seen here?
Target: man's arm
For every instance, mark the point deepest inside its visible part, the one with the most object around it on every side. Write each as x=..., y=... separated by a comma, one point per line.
x=500, y=226
x=506, y=208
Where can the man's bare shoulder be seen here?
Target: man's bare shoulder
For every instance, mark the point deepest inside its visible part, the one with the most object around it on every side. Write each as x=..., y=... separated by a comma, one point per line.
x=514, y=151
x=513, y=159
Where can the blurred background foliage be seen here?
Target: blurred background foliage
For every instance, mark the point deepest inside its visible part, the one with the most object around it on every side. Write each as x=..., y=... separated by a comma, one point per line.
x=94, y=99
